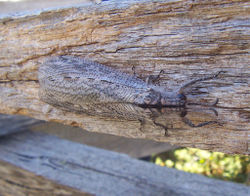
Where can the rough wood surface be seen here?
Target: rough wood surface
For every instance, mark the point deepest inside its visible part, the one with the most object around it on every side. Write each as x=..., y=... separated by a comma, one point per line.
x=102, y=172
x=16, y=181
x=187, y=39
x=137, y=148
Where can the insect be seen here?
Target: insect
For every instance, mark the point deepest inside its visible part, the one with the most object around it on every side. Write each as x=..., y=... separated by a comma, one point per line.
x=79, y=85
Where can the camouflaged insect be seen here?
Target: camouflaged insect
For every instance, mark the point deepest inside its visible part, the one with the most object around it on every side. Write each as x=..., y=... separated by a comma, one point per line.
x=79, y=85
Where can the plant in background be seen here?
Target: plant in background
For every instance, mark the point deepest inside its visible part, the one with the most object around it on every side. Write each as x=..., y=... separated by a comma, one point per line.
x=212, y=164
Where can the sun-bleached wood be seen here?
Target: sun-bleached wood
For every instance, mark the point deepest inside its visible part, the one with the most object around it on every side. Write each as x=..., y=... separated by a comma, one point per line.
x=186, y=39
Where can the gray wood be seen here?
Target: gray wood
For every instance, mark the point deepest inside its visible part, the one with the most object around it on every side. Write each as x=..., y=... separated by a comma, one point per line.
x=187, y=39
x=103, y=172
x=136, y=148
x=15, y=123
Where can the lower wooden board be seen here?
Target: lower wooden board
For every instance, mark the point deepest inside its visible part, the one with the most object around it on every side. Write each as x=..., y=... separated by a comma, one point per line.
x=137, y=148
x=101, y=172
x=18, y=182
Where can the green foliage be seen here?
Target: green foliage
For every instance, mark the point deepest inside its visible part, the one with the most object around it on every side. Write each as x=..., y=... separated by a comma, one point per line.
x=212, y=164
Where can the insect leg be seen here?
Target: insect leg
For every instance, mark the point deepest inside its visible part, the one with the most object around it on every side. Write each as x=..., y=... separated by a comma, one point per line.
x=133, y=69
x=162, y=126
x=152, y=78
x=142, y=123
x=190, y=123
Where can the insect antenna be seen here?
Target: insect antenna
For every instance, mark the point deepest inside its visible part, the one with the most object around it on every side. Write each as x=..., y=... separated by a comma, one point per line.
x=186, y=88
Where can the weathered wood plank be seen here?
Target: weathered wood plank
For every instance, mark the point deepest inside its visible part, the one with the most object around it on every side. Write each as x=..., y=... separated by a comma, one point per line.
x=187, y=39
x=102, y=172
x=133, y=147
x=19, y=182
x=136, y=148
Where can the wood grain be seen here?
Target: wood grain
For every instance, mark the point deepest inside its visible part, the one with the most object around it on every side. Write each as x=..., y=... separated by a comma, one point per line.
x=187, y=39
x=19, y=182
x=98, y=171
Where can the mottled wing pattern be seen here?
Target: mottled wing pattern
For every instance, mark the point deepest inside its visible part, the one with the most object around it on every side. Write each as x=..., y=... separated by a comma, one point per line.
x=79, y=85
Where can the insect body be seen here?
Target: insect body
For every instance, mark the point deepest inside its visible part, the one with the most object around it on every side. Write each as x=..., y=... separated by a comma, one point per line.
x=79, y=85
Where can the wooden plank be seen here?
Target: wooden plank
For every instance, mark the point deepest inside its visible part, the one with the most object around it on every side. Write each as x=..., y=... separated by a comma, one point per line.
x=102, y=172
x=133, y=147
x=136, y=148
x=19, y=182
x=187, y=39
